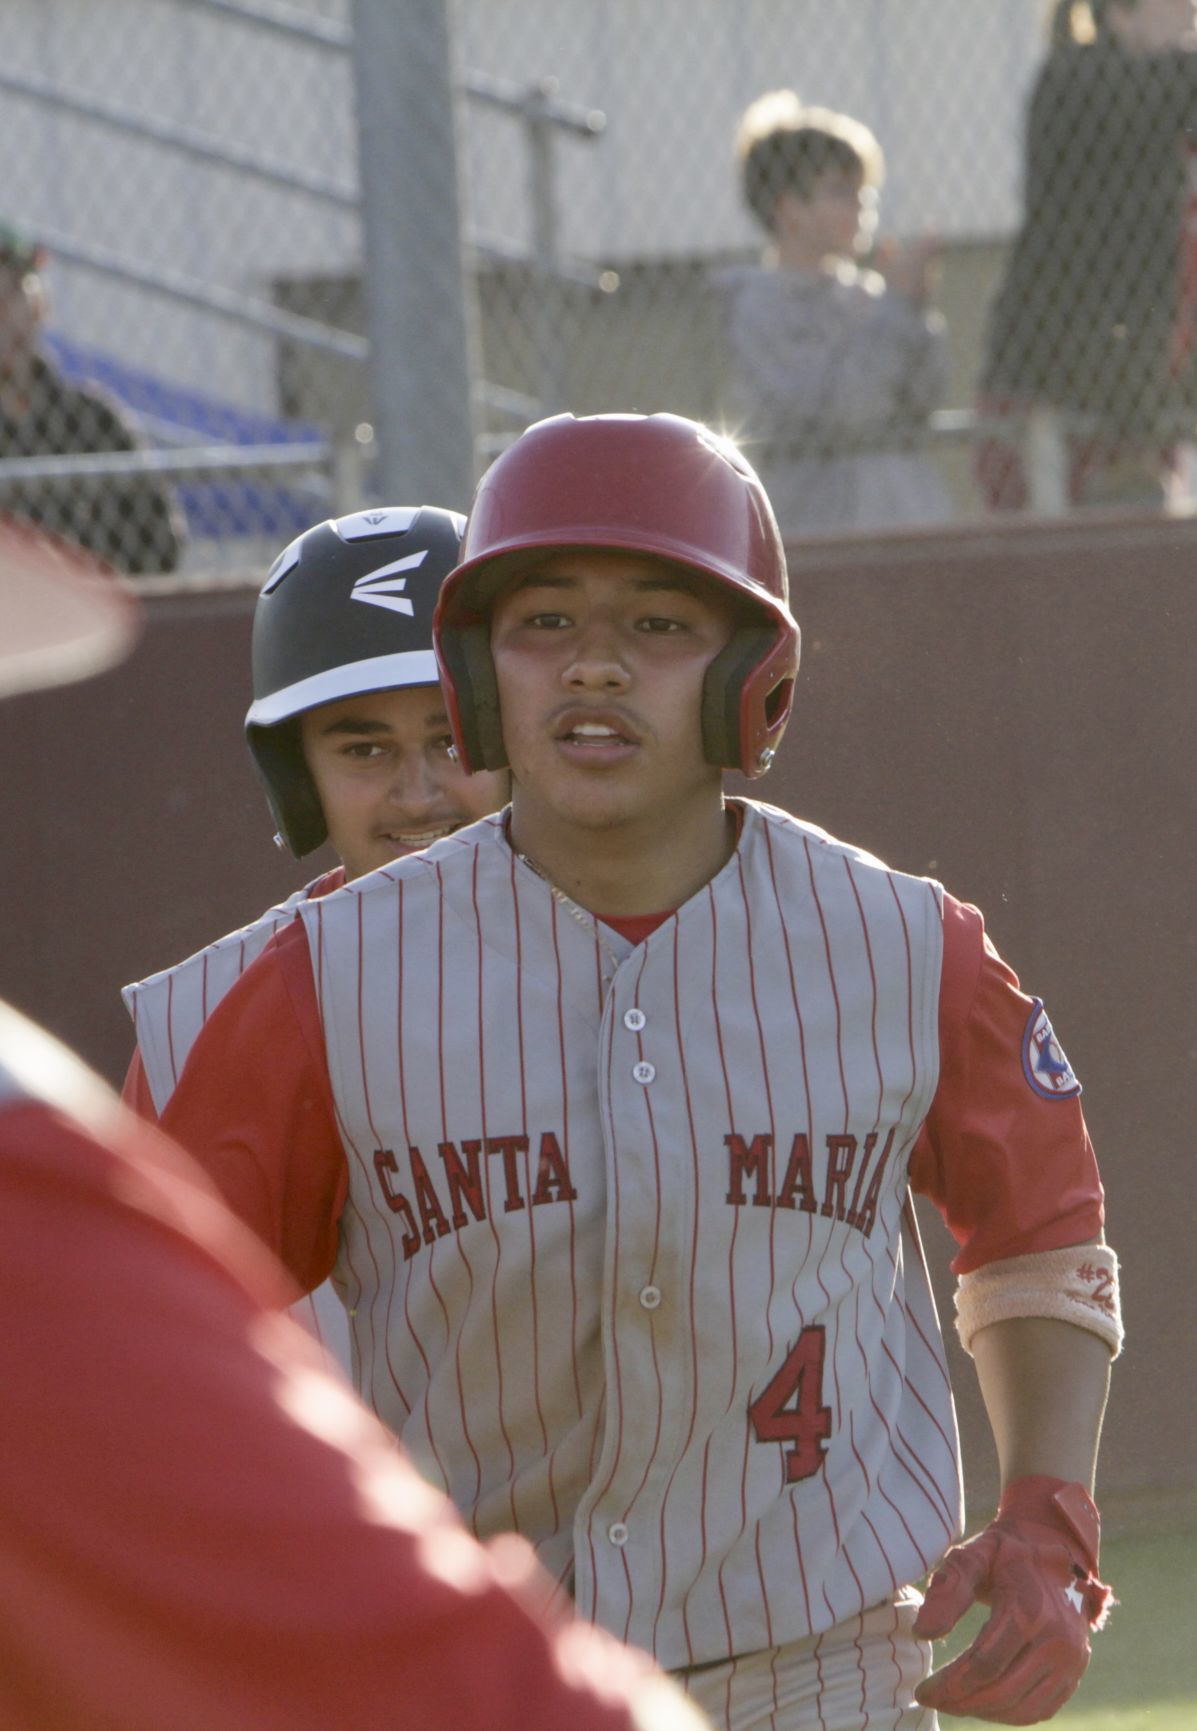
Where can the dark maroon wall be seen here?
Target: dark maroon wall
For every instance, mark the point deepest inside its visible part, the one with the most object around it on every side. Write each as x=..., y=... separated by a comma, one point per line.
x=139, y=831
x=1012, y=713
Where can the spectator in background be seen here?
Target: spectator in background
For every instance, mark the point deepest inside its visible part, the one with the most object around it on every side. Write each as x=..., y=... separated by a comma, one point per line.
x=132, y=522
x=1097, y=313
x=833, y=369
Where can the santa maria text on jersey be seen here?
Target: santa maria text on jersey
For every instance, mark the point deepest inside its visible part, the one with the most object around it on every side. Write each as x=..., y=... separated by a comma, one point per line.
x=810, y=1183
x=466, y=1184
x=480, y=1176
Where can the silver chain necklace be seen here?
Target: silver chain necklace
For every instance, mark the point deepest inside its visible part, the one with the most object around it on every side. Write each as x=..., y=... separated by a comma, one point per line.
x=583, y=916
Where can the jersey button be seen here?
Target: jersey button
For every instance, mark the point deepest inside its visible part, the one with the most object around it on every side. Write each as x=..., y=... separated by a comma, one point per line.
x=617, y=1533
x=634, y=1019
x=644, y=1072
x=650, y=1297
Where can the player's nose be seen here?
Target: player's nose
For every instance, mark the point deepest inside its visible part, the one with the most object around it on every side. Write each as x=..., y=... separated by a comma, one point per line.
x=413, y=790
x=598, y=662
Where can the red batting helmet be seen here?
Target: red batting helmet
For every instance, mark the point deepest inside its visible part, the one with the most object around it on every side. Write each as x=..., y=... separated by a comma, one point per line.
x=652, y=484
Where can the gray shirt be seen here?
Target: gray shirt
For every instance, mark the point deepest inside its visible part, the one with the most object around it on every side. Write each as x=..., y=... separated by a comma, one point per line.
x=831, y=378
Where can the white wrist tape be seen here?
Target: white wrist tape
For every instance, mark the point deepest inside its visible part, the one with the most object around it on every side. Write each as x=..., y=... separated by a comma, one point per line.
x=1078, y=1285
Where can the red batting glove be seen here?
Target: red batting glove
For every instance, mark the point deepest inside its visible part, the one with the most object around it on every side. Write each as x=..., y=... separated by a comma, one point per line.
x=1036, y=1564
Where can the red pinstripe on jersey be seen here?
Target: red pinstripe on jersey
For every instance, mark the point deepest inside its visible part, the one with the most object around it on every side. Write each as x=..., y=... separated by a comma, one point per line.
x=410, y=1327
x=628, y=1510
x=752, y=987
x=691, y=1280
x=482, y=1113
x=532, y=1248
x=377, y=1144
x=732, y=1118
x=779, y=916
x=835, y=1614
x=878, y=1411
x=170, y=1030
x=575, y=1306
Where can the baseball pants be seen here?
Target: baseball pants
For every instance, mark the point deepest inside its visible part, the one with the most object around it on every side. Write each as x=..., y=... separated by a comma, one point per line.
x=858, y=1676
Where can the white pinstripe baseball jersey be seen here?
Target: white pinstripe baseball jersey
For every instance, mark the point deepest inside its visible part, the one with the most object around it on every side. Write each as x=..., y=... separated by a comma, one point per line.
x=170, y=1007
x=627, y=1236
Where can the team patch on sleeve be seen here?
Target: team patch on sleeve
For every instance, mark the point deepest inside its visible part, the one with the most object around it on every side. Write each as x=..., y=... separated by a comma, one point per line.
x=1043, y=1060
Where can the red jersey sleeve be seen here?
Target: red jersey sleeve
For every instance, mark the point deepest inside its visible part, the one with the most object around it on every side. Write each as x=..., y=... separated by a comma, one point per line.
x=1008, y=1164
x=136, y=1090
x=254, y=1106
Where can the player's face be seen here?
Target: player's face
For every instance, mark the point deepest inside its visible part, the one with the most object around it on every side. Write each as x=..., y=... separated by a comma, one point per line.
x=600, y=659
x=386, y=781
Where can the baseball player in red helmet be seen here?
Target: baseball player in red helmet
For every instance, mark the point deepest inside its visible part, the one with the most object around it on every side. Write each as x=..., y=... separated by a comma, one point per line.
x=349, y=735
x=199, y=1526
x=607, y=1111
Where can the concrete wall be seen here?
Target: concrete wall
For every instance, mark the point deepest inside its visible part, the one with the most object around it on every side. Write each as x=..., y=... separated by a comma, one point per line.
x=1010, y=712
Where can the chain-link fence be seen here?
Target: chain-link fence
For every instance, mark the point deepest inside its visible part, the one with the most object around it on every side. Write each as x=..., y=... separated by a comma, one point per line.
x=265, y=261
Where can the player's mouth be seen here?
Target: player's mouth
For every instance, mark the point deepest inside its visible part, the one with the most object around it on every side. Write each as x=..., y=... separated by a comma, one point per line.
x=414, y=840
x=598, y=739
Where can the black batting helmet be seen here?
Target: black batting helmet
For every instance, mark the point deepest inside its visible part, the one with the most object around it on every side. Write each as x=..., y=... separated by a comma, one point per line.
x=345, y=609
x=655, y=484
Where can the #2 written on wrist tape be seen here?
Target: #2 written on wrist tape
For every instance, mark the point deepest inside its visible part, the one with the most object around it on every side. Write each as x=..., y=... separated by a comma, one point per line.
x=1077, y=1285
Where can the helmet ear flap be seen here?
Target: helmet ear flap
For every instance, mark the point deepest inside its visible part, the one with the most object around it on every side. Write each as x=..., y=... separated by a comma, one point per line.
x=723, y=742
x=471, y=669
x=290, y=791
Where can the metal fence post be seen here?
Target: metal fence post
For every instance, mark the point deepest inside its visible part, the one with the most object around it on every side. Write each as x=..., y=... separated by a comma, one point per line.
x=545, y=246
x=415, y=289
x=1047, y=462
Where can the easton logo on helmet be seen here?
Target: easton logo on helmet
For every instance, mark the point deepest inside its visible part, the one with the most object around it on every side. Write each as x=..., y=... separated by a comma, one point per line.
x=384, y=588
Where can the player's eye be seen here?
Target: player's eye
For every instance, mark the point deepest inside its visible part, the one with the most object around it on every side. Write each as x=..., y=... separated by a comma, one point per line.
x=363, y=750
x=442, y=745
x=658, y=625
x=549, y=621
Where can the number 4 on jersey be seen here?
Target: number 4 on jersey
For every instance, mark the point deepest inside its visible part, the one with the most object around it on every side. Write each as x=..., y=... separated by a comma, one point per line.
x=790, y=1410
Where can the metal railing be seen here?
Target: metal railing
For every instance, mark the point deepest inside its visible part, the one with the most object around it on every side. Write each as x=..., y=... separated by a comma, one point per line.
x=408, y=377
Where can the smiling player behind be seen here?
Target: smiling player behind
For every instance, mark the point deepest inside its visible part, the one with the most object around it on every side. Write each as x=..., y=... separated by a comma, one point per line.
x=607, y=1111
x=349, y=734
